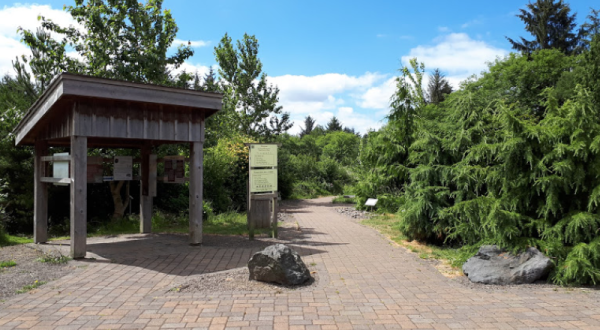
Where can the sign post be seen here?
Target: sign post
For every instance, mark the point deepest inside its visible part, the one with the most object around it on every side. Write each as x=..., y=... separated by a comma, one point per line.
x=262, y=187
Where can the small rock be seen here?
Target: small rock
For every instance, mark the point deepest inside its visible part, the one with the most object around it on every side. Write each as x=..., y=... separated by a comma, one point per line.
x=278, y=264
x=493, y=265
x=353, y=213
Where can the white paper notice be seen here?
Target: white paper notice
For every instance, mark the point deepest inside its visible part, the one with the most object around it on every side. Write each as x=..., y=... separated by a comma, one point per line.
x=123, y=168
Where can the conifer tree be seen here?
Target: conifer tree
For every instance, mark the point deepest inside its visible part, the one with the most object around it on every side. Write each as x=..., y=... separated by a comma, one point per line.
x=333, y=125
x=438, y=87
x=210, y=81
x=552, y=25
x=309, y=125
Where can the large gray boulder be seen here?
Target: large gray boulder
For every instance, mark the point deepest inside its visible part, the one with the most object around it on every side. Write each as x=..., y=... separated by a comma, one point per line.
x=278, y=264
x=493, y=265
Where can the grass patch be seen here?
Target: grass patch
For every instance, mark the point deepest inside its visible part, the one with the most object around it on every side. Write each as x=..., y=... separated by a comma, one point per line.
x=343, y=200
x=125, y=225
x=7, y=240
x=229, y=223
x=388, y=226
x=7, y=264
x=30, y=287
x=56, y=260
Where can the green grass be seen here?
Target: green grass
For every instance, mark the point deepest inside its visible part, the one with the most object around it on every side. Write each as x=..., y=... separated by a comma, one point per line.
x=342, y=200
x=387, y=225
x=30, y=287
x=229, y=223
x=7, y=263
x=8, y=240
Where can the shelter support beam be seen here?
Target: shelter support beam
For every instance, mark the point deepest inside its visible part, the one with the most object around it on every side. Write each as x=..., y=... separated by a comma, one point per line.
x=148, y=181
x=40, y=202
x=196, y=177
x=78, y=196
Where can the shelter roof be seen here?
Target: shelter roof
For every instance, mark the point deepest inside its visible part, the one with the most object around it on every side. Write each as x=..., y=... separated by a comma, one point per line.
x=67, y=88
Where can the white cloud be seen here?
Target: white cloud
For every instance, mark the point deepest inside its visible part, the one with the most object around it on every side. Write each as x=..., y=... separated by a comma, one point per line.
x=471, y=23
x=319, y=88
x=457, y=55
x=25, y=16
x=322, y=97
x=378, y=97
x=443, y=29
x=192, y=43
x=192, y=68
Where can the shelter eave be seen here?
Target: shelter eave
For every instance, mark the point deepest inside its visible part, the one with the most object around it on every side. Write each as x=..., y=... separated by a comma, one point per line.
x=68, y=88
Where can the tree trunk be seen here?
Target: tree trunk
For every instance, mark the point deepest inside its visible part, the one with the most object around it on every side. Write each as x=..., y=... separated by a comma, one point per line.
x=119, y=205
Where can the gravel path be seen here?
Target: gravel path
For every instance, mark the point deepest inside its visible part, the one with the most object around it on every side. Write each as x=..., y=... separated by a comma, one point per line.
x=27, y=269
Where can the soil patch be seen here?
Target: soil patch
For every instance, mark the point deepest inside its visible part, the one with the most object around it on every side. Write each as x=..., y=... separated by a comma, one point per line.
x=237, y=280
x=27, y=269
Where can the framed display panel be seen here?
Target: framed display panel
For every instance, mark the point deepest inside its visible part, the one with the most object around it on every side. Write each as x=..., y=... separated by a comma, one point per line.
x=174, y=169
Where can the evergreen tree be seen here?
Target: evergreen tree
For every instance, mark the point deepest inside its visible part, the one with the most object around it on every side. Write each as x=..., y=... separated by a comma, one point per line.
x=552, y=25
x=309, y=125
x=438, y=87
x=196, y=85
x=210, y=82
x=592, y=26
x=333, y=125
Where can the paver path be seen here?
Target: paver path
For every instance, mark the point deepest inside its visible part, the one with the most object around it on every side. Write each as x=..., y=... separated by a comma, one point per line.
x=365, y=283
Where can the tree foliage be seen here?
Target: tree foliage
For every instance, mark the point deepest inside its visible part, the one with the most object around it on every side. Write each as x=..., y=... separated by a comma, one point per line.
x=249, y=101
x=552, y=25
x=512, y=158
x=120, y=39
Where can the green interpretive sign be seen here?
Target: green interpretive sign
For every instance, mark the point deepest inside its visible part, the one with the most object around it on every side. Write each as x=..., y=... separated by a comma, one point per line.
x=263, y=180
x=263, y=155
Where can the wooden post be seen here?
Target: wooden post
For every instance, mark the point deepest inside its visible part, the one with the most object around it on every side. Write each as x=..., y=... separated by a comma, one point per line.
x=249, y=218
x=148, y=163
x=78, y=196
x=40, y=202
x=196, y=177
x=274, y=218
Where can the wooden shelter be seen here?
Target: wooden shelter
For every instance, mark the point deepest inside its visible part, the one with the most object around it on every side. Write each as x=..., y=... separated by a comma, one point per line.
x=84, y=112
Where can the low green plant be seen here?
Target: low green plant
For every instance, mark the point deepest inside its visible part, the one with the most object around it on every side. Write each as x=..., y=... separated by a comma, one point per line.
x=53, y=259
x=7, y=263
x=30, y=287
x=343, y=200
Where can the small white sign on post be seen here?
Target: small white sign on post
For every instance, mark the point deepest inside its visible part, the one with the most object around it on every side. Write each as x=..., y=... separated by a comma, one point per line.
x=123, y=168
x=60, y=170
x=371, y=202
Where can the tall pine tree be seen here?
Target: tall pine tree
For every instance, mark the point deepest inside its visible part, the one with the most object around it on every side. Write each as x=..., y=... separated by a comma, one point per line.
x=552, y=25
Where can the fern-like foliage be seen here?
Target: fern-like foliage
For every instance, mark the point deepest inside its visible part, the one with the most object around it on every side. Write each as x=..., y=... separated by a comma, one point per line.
x=512, y=158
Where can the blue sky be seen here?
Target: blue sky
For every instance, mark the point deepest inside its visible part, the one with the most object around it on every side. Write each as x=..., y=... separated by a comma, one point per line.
x=329, y=57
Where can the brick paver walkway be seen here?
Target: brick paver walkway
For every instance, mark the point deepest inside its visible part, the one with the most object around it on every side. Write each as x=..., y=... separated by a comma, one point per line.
x=365, y=283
